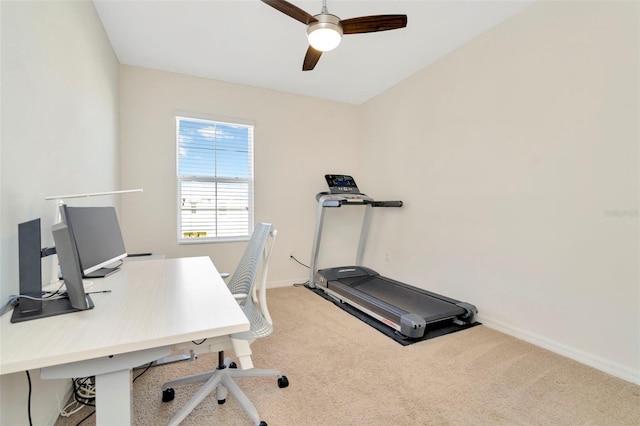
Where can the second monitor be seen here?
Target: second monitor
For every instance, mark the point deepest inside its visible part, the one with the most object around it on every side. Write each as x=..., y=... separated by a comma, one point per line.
x=98, y=238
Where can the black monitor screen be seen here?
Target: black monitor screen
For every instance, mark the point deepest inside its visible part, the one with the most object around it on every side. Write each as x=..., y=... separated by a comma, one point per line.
x=98, y=238
x=30, y=265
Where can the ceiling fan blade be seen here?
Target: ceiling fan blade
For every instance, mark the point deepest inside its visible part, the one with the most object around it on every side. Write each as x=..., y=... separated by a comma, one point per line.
x=311, y=59
x=371, y=24
x=291, y=10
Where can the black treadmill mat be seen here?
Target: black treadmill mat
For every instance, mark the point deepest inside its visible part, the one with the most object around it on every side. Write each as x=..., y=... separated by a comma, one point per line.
x=431, y=331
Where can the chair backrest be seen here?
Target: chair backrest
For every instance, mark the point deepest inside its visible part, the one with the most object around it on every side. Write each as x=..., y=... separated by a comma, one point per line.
x=255, y=305
x=242, y=280
x=260, y=290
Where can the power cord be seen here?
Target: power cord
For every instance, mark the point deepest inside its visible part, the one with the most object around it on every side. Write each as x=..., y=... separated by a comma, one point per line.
x=145, y=370
x=86, y=418
x=292, y=257
x=296, y=260
x=17, y=297
x=9, y=304
x=14, y=299
x=29, y=399
x=49, y=294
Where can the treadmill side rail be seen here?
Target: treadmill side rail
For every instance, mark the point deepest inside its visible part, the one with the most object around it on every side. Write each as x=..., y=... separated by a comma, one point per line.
x=470, y=316
x=412, y=325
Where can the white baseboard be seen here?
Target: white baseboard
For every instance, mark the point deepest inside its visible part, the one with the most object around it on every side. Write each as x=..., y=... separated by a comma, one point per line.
x=604, y=365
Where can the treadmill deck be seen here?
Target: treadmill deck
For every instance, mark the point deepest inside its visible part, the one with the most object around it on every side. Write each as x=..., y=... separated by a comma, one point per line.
x=392, y=302
x=406, y=298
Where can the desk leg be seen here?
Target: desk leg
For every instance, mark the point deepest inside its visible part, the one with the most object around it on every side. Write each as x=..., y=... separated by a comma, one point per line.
x=114, y=401
x=113, y=381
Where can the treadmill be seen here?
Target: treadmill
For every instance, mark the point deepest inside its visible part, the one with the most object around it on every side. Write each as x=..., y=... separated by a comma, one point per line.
x=405, y=308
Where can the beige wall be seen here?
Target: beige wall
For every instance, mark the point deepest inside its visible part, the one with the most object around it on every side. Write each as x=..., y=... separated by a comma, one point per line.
x=297, y=140
x=521, y=148
x=59, y=81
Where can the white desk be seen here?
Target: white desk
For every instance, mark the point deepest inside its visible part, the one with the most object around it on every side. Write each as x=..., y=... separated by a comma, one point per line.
x=152, y=305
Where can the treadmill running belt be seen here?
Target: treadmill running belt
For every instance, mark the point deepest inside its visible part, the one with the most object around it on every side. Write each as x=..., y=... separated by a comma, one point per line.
x=402, y=297
x=432, y=331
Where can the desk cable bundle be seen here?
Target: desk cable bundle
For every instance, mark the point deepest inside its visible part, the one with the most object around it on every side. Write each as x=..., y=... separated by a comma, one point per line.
x=84, y=394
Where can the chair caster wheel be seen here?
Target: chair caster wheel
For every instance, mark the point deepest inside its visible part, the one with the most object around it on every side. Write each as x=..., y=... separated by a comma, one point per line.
x=283, y=382
x=221, y=401
x=233, y=365
x=168, y=395
x=262, y=423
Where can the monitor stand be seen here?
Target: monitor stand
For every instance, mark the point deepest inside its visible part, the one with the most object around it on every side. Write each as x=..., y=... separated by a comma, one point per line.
x=49, y=308
x=30, y=273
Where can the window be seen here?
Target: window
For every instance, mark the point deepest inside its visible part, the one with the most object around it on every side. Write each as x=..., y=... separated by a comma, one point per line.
x=215, y=180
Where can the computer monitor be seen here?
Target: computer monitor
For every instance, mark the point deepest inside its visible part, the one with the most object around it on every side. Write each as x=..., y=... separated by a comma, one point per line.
x=98, y=238
x=31, y=303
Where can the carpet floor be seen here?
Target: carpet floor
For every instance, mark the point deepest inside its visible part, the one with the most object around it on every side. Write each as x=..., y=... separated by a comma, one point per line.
x=343, y=372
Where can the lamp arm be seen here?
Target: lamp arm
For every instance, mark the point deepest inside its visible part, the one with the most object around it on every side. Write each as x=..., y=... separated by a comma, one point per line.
x=92, y=194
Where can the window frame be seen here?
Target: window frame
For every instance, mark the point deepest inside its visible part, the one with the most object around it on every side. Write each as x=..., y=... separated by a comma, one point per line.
x=250, y=180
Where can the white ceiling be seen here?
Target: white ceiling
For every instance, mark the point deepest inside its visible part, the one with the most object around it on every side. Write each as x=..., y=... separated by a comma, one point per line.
x=249, y=42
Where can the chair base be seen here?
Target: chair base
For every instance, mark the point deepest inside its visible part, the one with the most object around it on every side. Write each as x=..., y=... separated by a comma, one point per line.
x=221, y=380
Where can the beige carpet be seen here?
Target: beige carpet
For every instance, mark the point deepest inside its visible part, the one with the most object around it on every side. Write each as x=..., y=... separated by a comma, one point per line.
x=343, y=372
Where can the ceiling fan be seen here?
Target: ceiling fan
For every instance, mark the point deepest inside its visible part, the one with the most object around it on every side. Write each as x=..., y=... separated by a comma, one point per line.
x=325, y=30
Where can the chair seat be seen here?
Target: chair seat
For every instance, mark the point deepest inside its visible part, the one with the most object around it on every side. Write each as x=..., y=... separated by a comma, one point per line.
x=259, y=326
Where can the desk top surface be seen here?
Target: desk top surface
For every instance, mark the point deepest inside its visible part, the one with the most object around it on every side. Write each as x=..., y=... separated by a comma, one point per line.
x=151, y=304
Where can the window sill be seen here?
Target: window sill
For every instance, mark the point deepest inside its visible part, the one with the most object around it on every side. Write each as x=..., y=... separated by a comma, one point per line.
x=213, y=240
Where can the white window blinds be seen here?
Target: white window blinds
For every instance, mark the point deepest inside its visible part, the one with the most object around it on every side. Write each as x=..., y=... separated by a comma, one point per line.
x=215, y=180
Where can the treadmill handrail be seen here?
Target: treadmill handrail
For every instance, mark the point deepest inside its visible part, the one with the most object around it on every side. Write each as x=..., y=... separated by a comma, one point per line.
x=331, y=200
x=337, y=200
x=326, y=199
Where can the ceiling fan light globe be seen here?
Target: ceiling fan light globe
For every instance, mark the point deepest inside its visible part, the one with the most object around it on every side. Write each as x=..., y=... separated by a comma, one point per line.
x=324, y=39
x=326, y=33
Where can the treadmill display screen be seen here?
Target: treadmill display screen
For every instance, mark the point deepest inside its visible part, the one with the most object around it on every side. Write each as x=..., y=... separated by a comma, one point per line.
x=340, y=184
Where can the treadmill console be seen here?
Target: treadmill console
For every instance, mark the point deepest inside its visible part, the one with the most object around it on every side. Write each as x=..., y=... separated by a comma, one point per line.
x=341, y=184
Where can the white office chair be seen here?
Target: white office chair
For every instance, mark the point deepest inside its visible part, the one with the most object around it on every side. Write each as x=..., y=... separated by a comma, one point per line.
x=243, y=283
